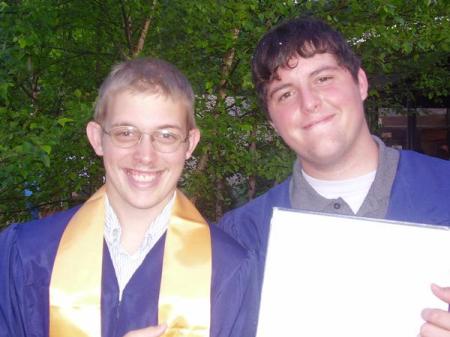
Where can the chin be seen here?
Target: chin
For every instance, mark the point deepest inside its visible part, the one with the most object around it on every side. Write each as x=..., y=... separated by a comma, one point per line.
x=322, y=159
x=149, y=199
x=142, y=204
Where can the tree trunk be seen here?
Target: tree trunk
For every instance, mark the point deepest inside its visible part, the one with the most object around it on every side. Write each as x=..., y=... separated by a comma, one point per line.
x=227, y=63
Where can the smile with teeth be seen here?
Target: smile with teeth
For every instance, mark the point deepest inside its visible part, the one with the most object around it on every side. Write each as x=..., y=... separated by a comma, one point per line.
x=142, y=176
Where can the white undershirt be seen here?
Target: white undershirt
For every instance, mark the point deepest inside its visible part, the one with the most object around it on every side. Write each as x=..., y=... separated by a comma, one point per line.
x=353, y=191
x=125, y=264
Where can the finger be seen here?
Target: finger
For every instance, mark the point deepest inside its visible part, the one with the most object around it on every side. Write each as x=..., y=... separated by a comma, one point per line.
x=441, y=292
x=430, y=330
x=438, y=318
x=151, y=331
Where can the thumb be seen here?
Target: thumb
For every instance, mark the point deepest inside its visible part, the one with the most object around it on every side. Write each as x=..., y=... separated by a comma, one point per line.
x=441, y=292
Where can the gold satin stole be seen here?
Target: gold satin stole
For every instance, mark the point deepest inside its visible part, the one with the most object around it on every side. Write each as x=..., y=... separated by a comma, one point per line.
x=184, y=299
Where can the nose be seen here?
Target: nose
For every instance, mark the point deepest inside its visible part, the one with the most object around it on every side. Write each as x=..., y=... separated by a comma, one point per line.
x=144, y=151
x=309, y=100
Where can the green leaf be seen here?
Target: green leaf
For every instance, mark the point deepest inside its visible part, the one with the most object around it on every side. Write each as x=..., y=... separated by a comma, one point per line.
x=45, y=160
x=64, y=120
x=46, y=148
x=23, y=43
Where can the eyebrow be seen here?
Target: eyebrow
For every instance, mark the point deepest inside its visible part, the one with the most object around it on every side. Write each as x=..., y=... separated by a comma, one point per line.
x=169, y=126
x=164, y=126
x=312, y=74
x=324, y=68
x=278, y=88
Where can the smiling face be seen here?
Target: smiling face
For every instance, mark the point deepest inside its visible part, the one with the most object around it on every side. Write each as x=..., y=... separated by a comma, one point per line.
x=140, y=179
x=317, y=108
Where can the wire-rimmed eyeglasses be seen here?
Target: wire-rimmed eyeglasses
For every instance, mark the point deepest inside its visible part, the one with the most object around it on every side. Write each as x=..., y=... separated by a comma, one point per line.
x=163, y=140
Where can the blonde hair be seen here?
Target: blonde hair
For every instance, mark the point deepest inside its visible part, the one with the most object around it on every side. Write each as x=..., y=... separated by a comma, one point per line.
x=146, y=75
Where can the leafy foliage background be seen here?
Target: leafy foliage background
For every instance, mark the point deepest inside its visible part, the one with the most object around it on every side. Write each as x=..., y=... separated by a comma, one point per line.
x=54, y=55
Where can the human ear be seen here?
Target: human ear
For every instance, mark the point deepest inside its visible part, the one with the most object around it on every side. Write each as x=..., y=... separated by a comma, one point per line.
x=94, y=134
x=273, y=125
x=363, y=84
x=194, y=138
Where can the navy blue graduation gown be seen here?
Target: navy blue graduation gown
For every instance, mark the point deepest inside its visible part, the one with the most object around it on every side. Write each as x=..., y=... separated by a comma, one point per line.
x=420, y=193
x=26, y=260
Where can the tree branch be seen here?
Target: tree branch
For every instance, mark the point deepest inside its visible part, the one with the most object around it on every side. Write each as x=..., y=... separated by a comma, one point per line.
x=126, y=24
x=141, y=40
x=144, y=31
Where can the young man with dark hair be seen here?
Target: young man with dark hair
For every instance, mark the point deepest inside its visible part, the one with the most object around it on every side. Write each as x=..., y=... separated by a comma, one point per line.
x=313, y=88
x=137, y=254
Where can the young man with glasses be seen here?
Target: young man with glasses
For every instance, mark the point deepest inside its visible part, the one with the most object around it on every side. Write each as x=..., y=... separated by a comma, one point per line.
x=137, y=254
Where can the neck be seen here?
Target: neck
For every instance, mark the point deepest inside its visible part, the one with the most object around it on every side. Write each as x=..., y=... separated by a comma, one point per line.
x=134, y=223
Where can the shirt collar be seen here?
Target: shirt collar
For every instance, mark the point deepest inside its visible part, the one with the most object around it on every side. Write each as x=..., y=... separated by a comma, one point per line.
x=113, y=229
x=304, y=197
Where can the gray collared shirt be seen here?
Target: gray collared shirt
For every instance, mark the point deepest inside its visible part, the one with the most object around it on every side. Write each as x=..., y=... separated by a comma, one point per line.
x=375, y=205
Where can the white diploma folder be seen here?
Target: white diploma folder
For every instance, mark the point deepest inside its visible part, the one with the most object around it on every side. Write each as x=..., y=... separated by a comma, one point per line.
x=350, y=277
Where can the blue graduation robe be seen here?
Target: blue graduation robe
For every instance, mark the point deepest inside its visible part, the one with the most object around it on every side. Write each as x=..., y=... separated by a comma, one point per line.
x=26, y=260
x=420, y=193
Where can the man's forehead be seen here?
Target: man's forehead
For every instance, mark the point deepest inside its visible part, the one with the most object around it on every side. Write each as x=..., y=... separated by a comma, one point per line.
x=320, y=61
